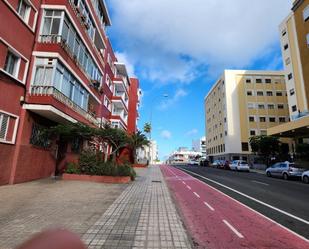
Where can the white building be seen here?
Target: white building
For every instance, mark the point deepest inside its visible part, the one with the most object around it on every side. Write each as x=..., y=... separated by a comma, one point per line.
x=199, y=145
x=183, y=156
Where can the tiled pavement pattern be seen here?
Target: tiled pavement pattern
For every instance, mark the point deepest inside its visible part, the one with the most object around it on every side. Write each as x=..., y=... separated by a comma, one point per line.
x=28, y=208
x=143, y=216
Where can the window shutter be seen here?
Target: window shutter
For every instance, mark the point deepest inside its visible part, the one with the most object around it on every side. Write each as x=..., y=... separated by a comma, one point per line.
x=4, y=120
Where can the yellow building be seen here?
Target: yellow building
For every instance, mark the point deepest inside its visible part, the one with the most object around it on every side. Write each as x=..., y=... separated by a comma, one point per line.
x=294, y=33
x=242, y=104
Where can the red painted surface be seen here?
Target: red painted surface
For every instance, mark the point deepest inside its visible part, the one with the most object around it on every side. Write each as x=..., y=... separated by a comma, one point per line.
x=100, y=179
x=133, y=101
x=140, y=165
x=207, y=227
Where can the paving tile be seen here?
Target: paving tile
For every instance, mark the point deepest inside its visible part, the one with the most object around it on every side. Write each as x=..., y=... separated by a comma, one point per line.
x=143, y=216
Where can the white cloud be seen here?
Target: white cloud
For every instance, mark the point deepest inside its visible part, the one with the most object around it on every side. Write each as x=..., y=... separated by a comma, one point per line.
x=123, y=58
x=169, y=39
x=166, y=134
x=180, y=93
x=192, y=132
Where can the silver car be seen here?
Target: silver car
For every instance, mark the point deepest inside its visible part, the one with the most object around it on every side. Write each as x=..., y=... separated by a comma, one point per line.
x=239, y=165
x=305, y=177
x=284, y=170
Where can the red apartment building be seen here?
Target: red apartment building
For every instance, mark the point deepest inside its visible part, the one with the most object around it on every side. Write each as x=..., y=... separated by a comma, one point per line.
x=56, y=66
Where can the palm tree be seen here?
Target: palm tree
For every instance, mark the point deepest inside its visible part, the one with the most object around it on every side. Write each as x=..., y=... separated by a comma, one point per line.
x=137, y=140
x=147, y=128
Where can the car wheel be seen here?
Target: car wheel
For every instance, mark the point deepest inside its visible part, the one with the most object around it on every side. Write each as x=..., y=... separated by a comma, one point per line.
x=285, y=176
x=268, y=174
x=306, y=179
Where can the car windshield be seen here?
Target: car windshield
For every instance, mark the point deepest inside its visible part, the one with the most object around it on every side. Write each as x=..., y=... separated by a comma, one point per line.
x=242, y=163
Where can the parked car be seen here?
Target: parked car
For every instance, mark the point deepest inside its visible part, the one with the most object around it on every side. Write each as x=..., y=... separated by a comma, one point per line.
x=204, y=163
x=305, y=177
x=193, y=162
x=218, y=164
x=239, y=165
x=285, y=170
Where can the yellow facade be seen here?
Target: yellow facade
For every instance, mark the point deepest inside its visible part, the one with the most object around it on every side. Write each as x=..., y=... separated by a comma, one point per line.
x=242, y=104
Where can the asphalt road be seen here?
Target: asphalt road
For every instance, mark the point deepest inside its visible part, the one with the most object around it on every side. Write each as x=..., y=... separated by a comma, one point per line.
x=290, y=196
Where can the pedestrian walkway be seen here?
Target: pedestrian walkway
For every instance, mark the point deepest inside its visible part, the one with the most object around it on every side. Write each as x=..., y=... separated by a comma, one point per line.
x=143, y=216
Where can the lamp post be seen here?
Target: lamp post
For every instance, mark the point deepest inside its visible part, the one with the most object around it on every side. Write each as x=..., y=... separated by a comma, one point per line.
x=151, y=111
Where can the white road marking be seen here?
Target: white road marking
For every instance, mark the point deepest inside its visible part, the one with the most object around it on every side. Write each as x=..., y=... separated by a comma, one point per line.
x=260, y=183
x=278, y=224
x=196, y=195
x=183, y=182
x=233, y=229
x=188, y=187
x=210, y=207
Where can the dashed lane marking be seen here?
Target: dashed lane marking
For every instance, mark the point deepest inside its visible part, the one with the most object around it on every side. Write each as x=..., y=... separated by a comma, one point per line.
x=188, y=187
x=196, y=195
x=239, y=235
x=210, y=207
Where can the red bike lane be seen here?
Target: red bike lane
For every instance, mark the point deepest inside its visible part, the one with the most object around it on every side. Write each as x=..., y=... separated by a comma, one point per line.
x=215, y=220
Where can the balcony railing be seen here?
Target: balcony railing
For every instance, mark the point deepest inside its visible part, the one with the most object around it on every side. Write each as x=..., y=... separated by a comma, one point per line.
x=52, y=91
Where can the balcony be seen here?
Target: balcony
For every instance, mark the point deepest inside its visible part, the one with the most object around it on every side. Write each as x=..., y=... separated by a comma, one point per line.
x=119, y=113
x=49, y=95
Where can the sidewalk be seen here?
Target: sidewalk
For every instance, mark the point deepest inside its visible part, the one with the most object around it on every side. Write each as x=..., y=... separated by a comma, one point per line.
x=143, y=216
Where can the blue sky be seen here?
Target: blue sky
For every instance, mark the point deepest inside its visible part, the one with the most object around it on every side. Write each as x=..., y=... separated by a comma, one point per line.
x=180, y=47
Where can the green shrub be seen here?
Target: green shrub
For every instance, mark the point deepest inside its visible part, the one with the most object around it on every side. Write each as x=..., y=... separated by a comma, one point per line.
x=72, y=168
x=91, y=163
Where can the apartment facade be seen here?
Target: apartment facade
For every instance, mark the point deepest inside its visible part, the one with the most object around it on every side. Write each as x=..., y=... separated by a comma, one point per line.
x=56, y=66
x=242, y=104
x=199, y=145
x=294, y=36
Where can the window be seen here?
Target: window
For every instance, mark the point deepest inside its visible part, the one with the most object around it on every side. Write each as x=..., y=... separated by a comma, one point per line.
x=286, y=46
x=307, y=36
x=269, y=93
x=249, y=93
x=23, y=10
x=53, y=20
x=272, y=119
x=251, y=119
x=280, y=106
x=57, y=76
x=259, y=93
x=292, y=92
x=262, y=119
x=287, y=61
x=107, y=103
x=290, y=76
x=252, y=133
x=283, y=32
x=245, y=146
x=263, y=132
x=271, y=106
x=282, y=119
x=279, y=94
x=258, y=81
x=306, y=13
x=11, y=63
x=250, y=105
x=248, y=80
x=294, y=108
x=39, y=137
x=261, y=106
x=4, y=124
x=268, y=81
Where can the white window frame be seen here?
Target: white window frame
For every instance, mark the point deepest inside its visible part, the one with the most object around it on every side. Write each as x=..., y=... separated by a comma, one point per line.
x=20, y=56
x=27, y=11
x=16, y=66
x=15, y=127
